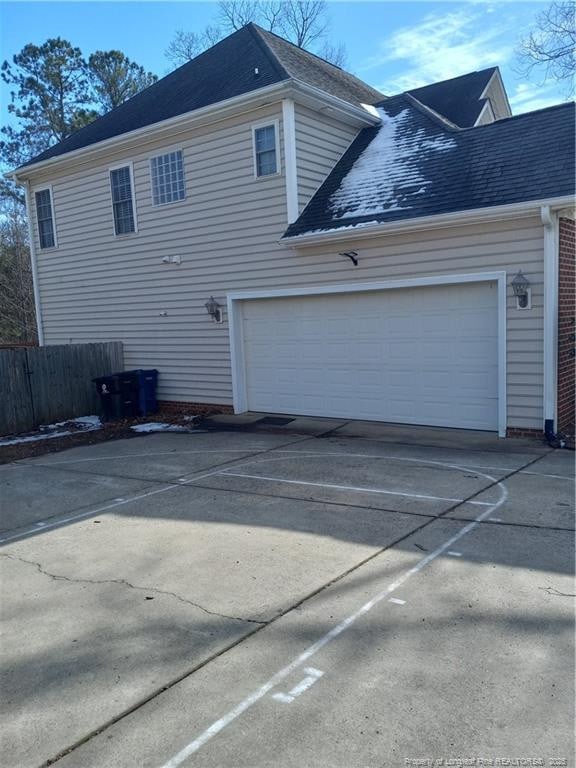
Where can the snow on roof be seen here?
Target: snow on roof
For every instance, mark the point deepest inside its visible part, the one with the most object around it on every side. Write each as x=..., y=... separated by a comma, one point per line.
x=387, y=173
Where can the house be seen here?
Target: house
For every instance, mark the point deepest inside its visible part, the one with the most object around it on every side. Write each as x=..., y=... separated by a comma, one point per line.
x=404, y=259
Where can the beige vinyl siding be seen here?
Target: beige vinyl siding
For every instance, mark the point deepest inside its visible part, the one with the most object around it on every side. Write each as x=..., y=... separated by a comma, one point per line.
x=97, y=287
x=321, y=140
x=497, y=98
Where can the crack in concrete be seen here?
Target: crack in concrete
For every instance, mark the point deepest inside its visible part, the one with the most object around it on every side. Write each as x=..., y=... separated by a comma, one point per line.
x=554, y=591
x=59, y=577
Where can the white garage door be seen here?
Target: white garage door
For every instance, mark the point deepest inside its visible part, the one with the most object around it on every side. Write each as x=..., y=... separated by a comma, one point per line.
x=416, y=355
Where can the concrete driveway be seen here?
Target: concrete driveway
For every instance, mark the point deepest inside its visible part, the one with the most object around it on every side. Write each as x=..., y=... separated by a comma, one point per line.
x=323, y=595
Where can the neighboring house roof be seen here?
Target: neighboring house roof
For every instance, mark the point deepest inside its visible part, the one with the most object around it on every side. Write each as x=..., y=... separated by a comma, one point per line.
x=415, y=165
x=222, y=72
x=458, y=99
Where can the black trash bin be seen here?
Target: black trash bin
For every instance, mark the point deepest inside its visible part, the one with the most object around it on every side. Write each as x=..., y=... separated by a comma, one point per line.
x=110, y=398
x=128, y=386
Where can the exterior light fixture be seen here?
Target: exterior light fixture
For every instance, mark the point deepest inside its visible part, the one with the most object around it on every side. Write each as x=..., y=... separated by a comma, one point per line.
x=214, y=309
x=521, y=287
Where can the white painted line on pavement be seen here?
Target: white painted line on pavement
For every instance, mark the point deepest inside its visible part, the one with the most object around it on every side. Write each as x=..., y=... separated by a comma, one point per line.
x=282, y=674
x=454, y=554
x=397, y=601
x=356, y=489
x=312, y=675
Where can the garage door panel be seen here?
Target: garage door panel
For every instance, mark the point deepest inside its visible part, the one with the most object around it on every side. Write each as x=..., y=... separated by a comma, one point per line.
x=421, y=355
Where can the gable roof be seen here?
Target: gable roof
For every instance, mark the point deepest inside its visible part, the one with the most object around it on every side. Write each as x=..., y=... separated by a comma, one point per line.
x=303, y=65
x=458, y=99
x=220, y=73
x=414, y=165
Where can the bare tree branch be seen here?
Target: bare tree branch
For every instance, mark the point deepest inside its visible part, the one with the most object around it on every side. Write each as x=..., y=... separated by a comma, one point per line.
x=551, y=45
x=304, y=21
x=187, y=45
x=335, y=53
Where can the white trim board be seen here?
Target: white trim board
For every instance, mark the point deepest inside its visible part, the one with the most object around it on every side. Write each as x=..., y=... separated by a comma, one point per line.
x=289, y=128
x=236, y=298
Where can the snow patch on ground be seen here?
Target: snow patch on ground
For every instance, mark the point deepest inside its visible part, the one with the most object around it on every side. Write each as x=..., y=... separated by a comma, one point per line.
x=388, y=172
x=49, y=431
x=156, y=426
x=31, y=438
x=84, y=422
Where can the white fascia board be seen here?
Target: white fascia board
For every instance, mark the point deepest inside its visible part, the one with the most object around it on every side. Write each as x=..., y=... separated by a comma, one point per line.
x=309, y=95
x=295, y=89
x=443, y=220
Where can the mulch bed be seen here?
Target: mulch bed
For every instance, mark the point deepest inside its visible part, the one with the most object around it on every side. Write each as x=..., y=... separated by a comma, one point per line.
x=112, y=430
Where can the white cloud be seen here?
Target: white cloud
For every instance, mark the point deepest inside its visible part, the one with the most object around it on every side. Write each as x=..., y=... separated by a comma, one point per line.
x=527, y=97
x=443, y=46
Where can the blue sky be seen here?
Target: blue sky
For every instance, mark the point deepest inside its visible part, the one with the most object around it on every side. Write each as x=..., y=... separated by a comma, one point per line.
x=391, y=45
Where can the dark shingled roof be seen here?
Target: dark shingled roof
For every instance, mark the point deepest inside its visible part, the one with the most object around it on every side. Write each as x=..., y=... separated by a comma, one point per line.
x=302, y=65
x=418, y=166
x=458, y=99
x=222, y=72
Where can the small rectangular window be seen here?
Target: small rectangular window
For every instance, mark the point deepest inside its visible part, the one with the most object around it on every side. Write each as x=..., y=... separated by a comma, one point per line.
x=45, y=219
x=167, y=178
x=122, y=201
x=265, y=150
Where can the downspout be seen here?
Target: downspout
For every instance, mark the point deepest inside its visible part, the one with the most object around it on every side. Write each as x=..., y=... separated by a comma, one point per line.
x=34, y=264
x=550, y=222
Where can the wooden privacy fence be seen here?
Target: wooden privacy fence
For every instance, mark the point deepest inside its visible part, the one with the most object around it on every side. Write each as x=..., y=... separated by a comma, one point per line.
x=41, y=385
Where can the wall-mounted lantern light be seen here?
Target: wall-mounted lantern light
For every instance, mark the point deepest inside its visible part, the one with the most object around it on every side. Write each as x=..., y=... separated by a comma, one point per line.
x=214, y=309
x=521, y=287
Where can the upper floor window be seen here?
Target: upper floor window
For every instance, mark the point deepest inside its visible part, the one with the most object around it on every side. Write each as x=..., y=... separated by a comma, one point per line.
x=167, y=178
x=45, y=219
x=265, y=150
x=122, y=200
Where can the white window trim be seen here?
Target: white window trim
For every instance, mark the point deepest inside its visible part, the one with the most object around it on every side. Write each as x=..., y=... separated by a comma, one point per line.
x=43, y=188
x=265, y=124
x=235, y=299
x=161, y=154
x=130, y=165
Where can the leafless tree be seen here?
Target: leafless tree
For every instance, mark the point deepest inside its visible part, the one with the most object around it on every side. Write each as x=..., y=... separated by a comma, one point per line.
x=304, y=21
x=187, y=45
x=235, y=14
x=17, y=315
x=335, y=53
x=551, y=45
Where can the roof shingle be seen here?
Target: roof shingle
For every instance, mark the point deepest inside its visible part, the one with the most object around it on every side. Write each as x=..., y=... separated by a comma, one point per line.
x=413, y=166
x=222, y=72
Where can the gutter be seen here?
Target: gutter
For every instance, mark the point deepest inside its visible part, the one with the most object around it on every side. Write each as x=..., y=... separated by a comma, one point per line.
x=550, y=222
x=476, y=215
x=34, y=265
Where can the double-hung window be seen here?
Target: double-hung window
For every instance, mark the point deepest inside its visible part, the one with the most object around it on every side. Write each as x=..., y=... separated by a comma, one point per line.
x=122, y=200
x=45, y=219
x=167, y=172
x=265, y=150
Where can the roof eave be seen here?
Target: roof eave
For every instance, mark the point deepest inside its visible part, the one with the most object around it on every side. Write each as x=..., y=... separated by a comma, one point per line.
x=300, y=91
x=477, y=215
